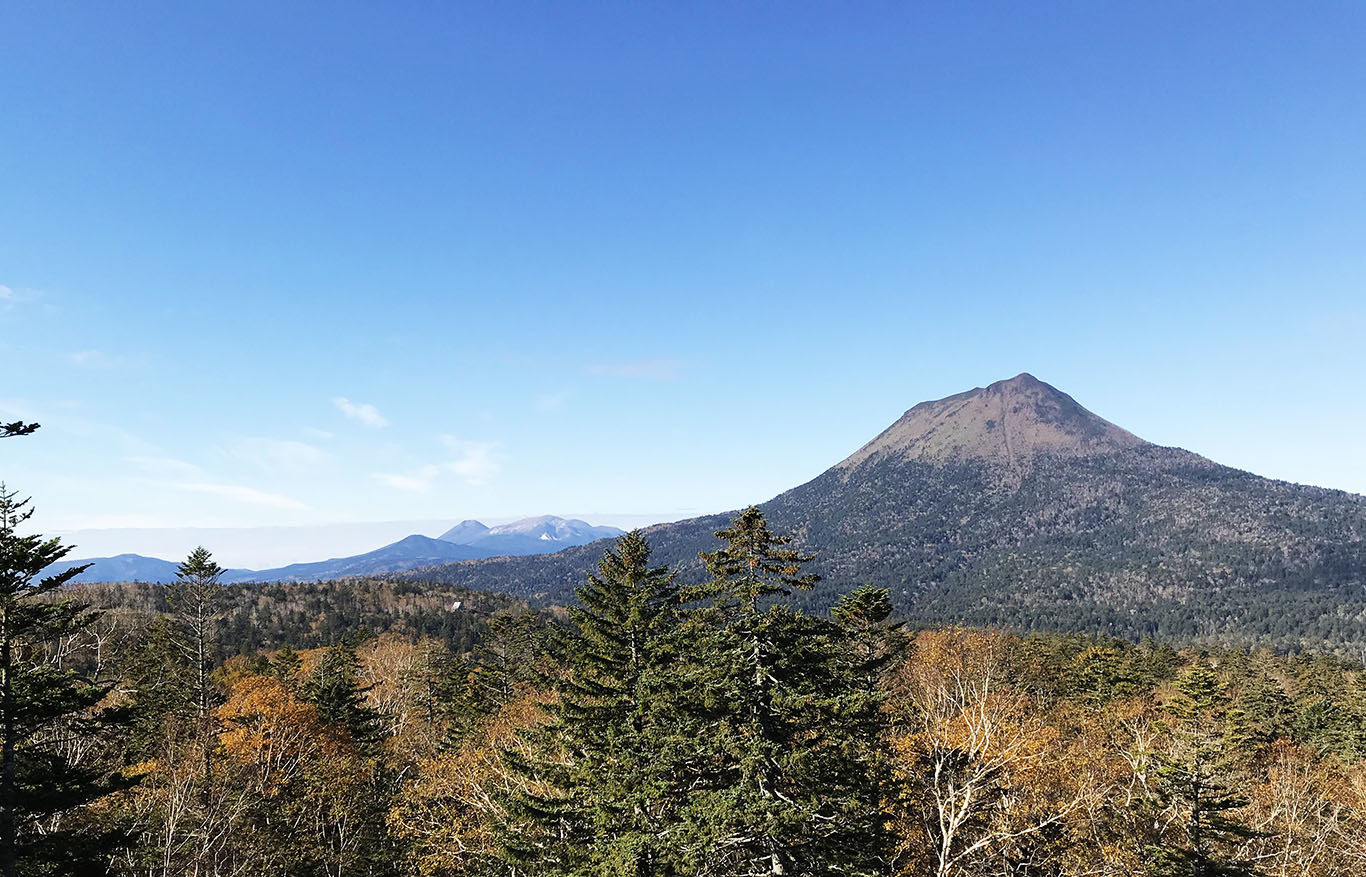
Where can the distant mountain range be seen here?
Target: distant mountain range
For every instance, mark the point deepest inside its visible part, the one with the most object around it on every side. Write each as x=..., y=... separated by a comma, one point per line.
x=1013, y=505
x=465, y=541
x=543, y=535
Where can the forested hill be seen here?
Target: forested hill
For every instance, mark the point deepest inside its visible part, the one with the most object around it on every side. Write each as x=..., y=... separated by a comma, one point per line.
x=1014, y=506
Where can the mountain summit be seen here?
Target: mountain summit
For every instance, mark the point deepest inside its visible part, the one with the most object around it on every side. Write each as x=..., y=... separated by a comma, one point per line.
x=1006, y=423
x=540, y=535
x=1013, y=506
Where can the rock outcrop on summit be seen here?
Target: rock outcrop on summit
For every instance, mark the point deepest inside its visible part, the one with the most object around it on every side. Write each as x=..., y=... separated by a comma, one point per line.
x=1004, y=424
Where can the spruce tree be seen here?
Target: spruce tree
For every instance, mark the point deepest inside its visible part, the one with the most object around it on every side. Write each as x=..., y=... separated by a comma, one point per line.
x=335, y=688
x=43, y=706
x=161, y=689
x=1195, y=780
x=604, y=808
x=285, y=666
x=771, y=747
x=195, y=598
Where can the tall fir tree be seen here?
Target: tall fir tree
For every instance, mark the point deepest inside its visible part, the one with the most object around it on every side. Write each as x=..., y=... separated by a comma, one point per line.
x=1196, y=783
x=335, y=688
x=196, y=598
x=43, y=706
x=601, y=798
x=772, y=747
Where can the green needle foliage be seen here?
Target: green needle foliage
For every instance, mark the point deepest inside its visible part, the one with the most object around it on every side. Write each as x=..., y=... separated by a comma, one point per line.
x=44, y=707
x=335, y=688
x=602, y=802
x=777, y=720
x=1195, y=778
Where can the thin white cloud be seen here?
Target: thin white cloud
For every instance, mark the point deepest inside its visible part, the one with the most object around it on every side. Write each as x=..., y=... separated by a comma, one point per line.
x=165, y=467
x=362, y=412
x=662, y=369
x=243, y=494
x=547, y=402
x=280, y=455
x=475, y=463
x=412, y=483
x=91, y=359
x=11, y=297
x=100, y=359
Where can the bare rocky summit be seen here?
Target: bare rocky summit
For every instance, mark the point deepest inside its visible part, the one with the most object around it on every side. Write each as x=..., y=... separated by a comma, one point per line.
x=1005, y=424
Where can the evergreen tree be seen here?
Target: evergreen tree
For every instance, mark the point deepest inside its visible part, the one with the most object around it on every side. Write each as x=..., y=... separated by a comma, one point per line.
x=335, y=688
x=195, y=598
x=771, y=748
x=1195, y=780
x=44, y=705
x=604, y=810
x=1265, y=713
x=161, y=687
x=286, y=666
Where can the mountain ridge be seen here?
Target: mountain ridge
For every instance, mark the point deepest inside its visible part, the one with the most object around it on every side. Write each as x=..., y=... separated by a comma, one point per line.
x=1068, y=522
x=522, y=537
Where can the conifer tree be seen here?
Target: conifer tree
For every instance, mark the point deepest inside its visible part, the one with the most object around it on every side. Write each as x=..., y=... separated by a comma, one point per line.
x=285, y=666
x=770, y=744
x=336, y=690
x=604, y=807
x=195, y=598
x=161, y=686
x=1195, y=782
x=42, y=706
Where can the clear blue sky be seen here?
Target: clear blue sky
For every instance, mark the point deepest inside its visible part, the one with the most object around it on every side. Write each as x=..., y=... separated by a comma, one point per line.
x=657, y=258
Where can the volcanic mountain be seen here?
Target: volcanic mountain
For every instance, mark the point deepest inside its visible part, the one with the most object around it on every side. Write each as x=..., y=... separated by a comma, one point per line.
x=1012, y=505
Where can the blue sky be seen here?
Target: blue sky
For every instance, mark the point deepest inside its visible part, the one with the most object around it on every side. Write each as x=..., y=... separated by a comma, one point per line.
x=269, y=263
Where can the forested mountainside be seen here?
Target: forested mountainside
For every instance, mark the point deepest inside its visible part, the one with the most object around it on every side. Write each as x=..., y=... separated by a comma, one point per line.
x=659, y=730
x=1015, y=506
x=250, y=617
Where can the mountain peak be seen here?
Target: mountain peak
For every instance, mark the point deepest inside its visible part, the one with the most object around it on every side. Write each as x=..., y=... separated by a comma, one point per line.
x=1005, y=423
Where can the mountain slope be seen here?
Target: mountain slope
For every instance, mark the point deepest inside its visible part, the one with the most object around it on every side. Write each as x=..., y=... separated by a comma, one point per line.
x=405, y=554
x=120, y=568
x=464, y=541
x=543, y=535
x=1013, y=505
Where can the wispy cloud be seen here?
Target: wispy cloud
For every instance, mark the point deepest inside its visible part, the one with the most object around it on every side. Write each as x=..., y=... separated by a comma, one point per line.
x=662, y=369
x=243, y=494
x=476, y=463
x=280, y=455
x=165, y=467
x=416, y=482
x=547, y=402
x=99, y=359
x=11, y=297
x=362, y=412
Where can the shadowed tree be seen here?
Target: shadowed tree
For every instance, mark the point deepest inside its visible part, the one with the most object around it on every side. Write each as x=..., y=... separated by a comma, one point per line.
x=43, y=707
x=1197, y=786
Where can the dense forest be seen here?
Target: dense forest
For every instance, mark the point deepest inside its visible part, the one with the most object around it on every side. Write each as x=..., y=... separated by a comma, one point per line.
x=652, y=728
